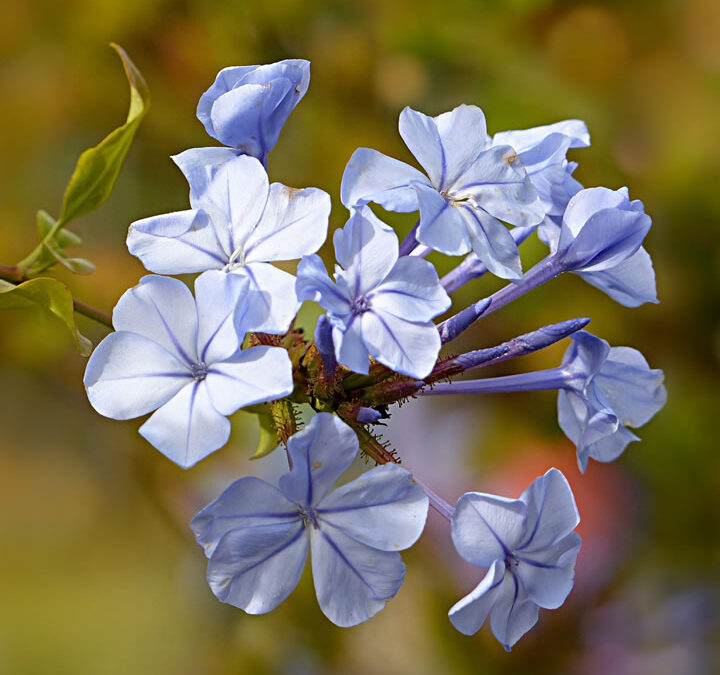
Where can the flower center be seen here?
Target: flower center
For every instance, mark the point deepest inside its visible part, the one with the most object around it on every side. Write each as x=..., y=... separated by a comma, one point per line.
x=360, y=305
x=199, y=371
x=309, y=516
x=511, y=561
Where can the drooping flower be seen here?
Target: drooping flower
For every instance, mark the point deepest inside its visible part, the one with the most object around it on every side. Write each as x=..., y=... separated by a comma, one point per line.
x=470, y=186
x=529, y=547
x=180, y=356
x=608, y=390
x=257, y=536
x=247, y=106
x=380, y=304
x=239, y=223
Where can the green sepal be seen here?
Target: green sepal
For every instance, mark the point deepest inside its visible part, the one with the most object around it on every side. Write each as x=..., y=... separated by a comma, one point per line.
x=64, y=237
x=51, y=296
x=98, y=168
x=268, y=440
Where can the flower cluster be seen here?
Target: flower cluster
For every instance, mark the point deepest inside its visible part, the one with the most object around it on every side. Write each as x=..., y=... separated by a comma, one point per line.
x=195, y=359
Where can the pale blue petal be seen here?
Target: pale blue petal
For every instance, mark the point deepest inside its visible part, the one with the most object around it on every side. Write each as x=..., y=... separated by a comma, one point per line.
x=352, y=581
x=411, y=291
x=293, y=224
x=176, y=243
x=366, y=249
x=631, y=283
x=469, y=613
x=525, y=139
x=513, y=614
x=272, y=302
x=350, y=347
x=422, y=138
x=199, y=166
x=320, y=454
x=498, y=182
x=255, y=375
x=607, y=449
x=384, y=508
x=403, y=346
x=551, y=512
x=634, y=391
x=235, y=199
x=585, y=356
x=371, y=176
x=547, y=576
x=246, y=503
x=313, y=283
x=162, y=310
x=441, y=225
x=486, y=527
x=256, y=568
x=129, y=375
x=188, y=427
x=492, y=243
x=220, y=298
x=587, y=203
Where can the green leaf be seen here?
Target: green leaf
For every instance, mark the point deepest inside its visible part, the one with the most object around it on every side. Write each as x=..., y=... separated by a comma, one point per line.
x=45, y=223
x=268, y=440
x=98, y=168
x=51, y=296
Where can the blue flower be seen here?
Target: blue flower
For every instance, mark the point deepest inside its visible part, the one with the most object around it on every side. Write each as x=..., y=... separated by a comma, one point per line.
x=530, y=548
x=256, y=536
x=247, y=106
x=239, y=223
x=380, y=304
x=180, y=356
x=607, y=390
x=469, y=186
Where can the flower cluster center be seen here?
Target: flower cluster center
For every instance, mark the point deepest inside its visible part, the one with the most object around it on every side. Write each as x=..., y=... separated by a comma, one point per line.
x=511, y=561
x=309, y=516
x=360, y=305
x=199, y=371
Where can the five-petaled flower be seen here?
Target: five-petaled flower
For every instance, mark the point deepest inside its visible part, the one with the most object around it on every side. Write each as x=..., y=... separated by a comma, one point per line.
x=257, y=536
x=380, y=304
x=181, y=357
x=529, y=547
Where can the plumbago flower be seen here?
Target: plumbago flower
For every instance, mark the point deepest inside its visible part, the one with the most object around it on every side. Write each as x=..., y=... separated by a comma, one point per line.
x=239, y=223
x=181, y=357
x=529, y=547
x=257, y=536
x=380, y=304
x=470, y=186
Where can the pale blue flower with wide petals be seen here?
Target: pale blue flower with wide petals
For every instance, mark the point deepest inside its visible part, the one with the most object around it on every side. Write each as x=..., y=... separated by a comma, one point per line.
x=380, y=304
x=180, y=357
x=608, y=390
x=469, y=188
x=542, y=151
x=257, y=536
x=529, y=547
x=247, y=106
x=239, y=223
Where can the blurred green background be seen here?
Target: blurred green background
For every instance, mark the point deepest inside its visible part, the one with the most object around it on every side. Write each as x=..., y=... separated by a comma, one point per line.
x=99, y=573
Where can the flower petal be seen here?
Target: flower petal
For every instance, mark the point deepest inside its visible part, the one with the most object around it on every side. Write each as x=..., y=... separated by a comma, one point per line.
x=320, y=454
x=469, y=613
x=547, y=576
x=313, y=283
x=411, y=291
x=486, y=528
x=441, y=225
x=371, y=176
x=350, y=347
x=422, y=138
x=404, y=346
x=254, y=375
x=176, y=243
x=129, y=375
x=606, y=449
x=256, y=568
x=384, y=508
x=513, y=614
x=162, y=310
x=199, y=166
x=551, y=512
x=187, y=428
x=352, y=581
x=524, y=139
x=272, y=301
x=246, y=503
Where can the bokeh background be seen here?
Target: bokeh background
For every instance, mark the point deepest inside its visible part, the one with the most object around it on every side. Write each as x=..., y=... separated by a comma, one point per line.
x=99, y=573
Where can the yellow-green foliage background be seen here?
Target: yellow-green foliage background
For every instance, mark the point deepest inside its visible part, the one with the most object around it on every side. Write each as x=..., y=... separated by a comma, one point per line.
x=98, y=571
